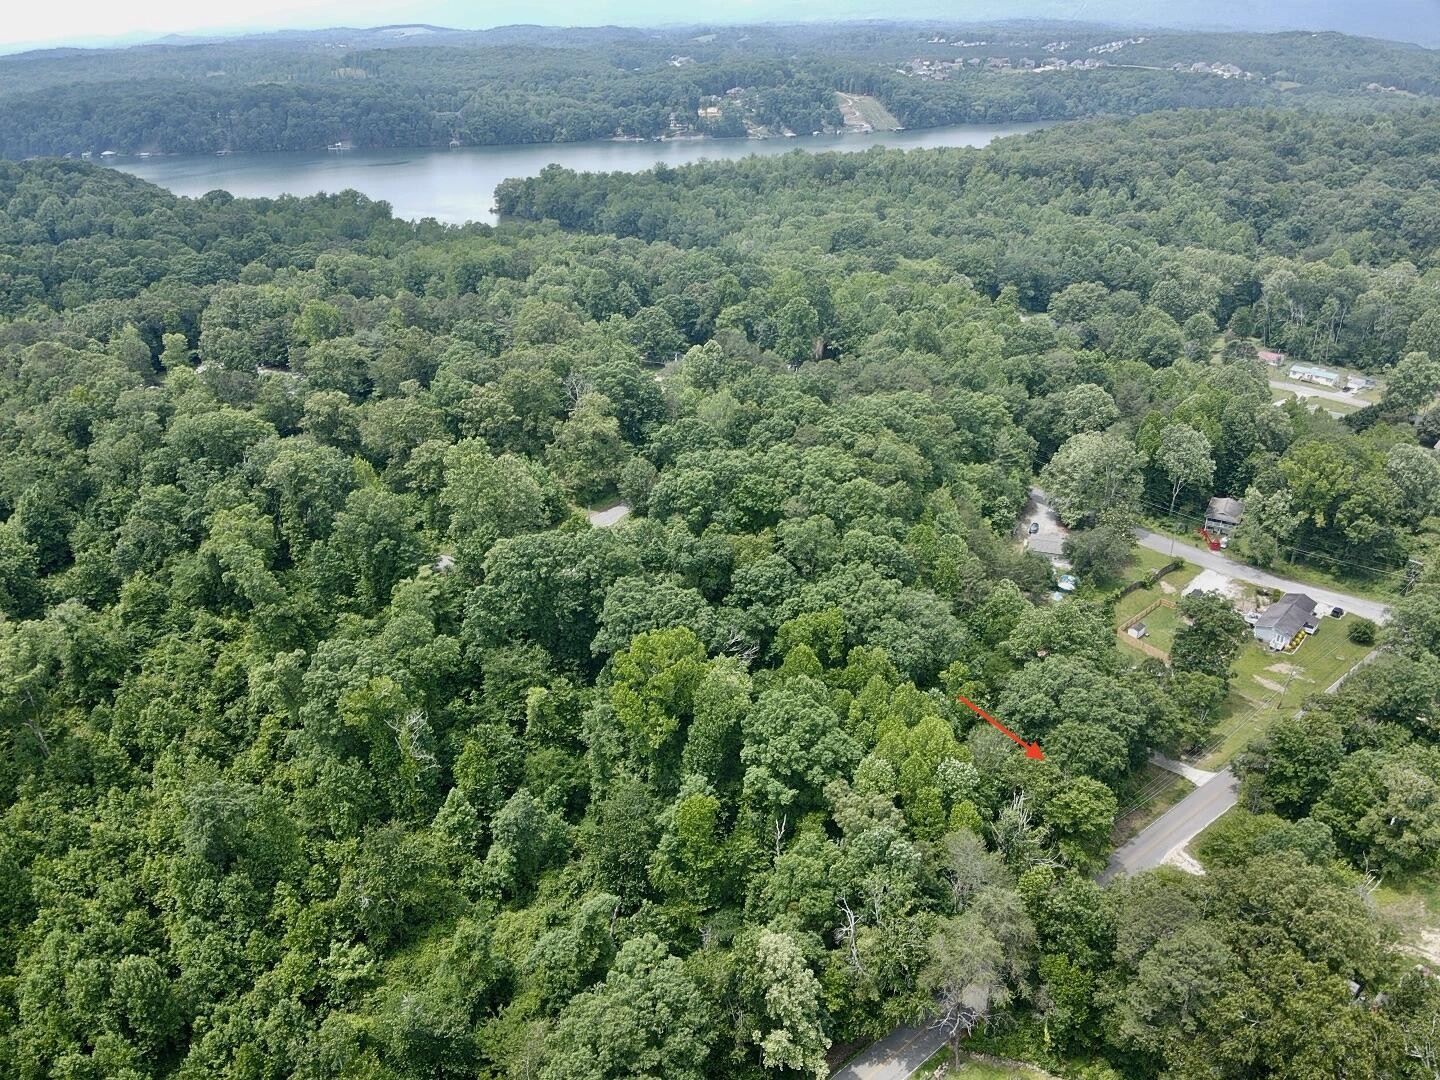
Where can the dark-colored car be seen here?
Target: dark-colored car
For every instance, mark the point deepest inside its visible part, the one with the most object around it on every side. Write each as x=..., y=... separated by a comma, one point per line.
x=1336, y=612
x=1034, y=527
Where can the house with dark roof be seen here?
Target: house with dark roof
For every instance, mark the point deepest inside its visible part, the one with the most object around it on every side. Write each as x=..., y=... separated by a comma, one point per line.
x=1285, y=620
x=1222, y=515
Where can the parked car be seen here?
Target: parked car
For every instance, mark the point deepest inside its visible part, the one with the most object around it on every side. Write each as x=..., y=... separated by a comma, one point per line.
x=1337, y=612
x=1252, y=617
x=1067, y=582
x=1034, y=527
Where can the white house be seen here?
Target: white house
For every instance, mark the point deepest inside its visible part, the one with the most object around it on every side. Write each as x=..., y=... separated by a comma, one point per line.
x=1283, y=621
x=1311, y=374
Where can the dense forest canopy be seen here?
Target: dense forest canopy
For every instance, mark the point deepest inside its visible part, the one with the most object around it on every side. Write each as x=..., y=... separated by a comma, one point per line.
x=527, y=85
x=338, y=742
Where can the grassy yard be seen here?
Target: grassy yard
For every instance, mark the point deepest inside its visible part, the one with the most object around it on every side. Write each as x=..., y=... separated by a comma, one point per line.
x=867, y=110
x=971, y=1069
x=1328, y=404
x=1304, y=573
x=1265, y=684
x=1412, y=905
x=1163, y=623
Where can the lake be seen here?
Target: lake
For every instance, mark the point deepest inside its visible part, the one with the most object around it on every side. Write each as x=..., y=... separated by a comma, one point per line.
x=459, y=185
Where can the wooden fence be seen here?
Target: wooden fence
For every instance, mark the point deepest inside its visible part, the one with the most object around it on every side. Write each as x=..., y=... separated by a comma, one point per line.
x=1140, y=643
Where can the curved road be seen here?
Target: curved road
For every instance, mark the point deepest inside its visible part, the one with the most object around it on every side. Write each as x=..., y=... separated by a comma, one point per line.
x=904, y=1050
x=1217, y=561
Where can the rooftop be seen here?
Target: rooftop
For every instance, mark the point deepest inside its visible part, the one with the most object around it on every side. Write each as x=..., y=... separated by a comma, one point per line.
x=1225, y=509
x=1289, y=614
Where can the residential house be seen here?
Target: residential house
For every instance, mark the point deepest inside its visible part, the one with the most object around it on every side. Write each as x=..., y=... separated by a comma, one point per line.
x=1222, y=515
x=1285, y=620
x=1271, y=357
x=1311, y=374
x=1051, y=545
x=1358, y=382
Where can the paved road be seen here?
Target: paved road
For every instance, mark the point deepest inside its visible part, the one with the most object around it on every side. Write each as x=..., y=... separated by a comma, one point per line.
x=1179, y=768
x=1176, y=827
x=611, y=515
x=899, y=1054
x=1217, y=561
x=895, y=1057
x=1311, y=391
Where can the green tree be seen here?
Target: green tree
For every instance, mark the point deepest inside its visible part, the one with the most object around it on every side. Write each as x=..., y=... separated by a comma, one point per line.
x=1090, y=473
x=1212, y=637
x=784, y=1007
x=647, y=1020
x=1184, y=457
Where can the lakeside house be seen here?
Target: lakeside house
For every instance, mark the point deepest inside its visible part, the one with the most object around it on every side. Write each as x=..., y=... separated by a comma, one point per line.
x=1309, y=373
x=1222, y=515
x=1285, y=620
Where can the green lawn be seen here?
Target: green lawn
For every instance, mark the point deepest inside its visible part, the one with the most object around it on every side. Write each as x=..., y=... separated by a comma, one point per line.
x=1328, y=404
x=1162, y=624
x=971, y=1069
x=1304, y=573
x=1412, y=905
x=872, y=112
x=1265, y=684
x=1170, y=587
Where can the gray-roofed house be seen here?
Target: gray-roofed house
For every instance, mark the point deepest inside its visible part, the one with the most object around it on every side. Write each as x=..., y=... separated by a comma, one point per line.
x=1282, y=622
x=1222, y=515
x=1051, y=545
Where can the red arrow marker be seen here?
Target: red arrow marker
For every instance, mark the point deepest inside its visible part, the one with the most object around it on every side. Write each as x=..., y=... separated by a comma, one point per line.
x=1032, y=750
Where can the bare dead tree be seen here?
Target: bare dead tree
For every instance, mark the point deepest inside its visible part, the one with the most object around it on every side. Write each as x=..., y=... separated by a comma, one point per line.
x=412, y=735
x=576, y=387
x=846, y=934
x=740, y=647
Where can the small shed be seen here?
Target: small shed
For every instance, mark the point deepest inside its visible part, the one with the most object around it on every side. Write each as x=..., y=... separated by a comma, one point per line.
x=1223, y=514
x=1284, y=621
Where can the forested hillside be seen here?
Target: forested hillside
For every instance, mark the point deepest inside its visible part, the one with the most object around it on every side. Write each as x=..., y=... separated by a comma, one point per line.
x=338, y=742
x=529, y=84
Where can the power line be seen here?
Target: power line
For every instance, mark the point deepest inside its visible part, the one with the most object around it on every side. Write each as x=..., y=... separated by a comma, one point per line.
x=1297, y=550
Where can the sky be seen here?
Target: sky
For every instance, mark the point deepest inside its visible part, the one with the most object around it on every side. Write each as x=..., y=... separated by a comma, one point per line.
x=91, y=22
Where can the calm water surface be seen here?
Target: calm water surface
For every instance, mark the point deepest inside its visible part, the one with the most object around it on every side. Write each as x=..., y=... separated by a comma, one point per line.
x=459, y=185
